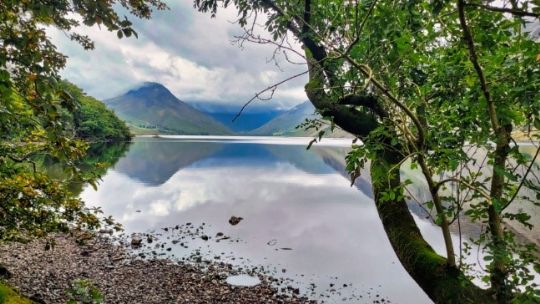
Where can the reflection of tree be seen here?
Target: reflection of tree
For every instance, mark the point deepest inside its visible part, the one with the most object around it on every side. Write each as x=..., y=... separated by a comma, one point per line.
x=154, y=161
x=99, y=158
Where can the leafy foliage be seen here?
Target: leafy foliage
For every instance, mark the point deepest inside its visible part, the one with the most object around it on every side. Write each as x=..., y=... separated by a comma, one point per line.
x=92, y=120
x=439, y=85
x=84, y=292
x=39, y=115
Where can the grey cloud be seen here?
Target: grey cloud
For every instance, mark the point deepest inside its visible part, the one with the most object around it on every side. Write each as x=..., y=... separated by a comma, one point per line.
x=187, y=51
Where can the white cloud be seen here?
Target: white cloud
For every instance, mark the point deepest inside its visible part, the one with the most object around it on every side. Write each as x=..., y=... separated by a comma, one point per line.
x=185, y=50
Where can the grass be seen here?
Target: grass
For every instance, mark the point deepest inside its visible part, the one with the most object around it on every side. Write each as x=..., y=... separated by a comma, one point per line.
x=10, y=296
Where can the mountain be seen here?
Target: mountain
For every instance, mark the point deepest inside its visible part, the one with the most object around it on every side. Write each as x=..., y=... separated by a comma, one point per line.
x=286, y=123
x=252, y=117
x=151, y=108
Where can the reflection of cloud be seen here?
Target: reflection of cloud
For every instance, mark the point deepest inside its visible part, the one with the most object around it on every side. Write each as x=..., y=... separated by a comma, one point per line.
x=160, y=208
x=195, y=186
x=333, y=228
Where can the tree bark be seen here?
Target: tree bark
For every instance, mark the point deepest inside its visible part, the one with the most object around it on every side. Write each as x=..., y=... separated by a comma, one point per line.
x=442, y=284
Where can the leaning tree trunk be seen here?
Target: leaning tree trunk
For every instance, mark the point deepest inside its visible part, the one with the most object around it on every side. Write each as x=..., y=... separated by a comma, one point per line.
x=443, y=284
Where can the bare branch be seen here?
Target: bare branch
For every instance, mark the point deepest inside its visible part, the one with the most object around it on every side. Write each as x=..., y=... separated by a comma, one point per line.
x=533, y=161
x=513, y=11
x=271, y=89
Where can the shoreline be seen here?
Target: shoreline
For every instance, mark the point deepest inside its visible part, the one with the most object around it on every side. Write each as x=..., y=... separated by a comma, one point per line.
x=45, y=275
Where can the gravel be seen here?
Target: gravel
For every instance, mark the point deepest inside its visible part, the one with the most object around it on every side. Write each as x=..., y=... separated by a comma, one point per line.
x=46, y=275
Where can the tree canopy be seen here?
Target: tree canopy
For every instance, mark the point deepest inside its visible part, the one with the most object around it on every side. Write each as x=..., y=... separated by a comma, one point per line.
x=40, y=114
x=92, y=120
x=441, y=85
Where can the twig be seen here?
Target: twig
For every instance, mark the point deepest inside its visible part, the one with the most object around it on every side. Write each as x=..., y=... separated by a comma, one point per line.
x=533, y=161
x=271, y=88
x=516, y=12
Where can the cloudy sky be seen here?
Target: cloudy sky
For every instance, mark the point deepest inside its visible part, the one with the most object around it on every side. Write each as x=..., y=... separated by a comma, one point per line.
x=190, y=53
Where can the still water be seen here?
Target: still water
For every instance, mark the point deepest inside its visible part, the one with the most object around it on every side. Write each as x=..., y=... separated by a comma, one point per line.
x=301, y=217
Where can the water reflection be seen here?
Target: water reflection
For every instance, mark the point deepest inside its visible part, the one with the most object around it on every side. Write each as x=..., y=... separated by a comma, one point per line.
x=98, y=158
x=301, y=199
x=154, y=161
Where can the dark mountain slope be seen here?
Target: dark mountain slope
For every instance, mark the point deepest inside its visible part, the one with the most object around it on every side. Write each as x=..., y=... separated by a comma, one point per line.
x=151, y=108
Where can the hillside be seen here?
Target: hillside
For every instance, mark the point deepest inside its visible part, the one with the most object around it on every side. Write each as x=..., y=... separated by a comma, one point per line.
x=286, y=123
x=92, y=120
x=151, y=108
x=251, y=118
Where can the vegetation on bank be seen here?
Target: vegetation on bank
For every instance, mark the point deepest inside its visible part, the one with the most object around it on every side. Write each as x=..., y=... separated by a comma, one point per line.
x=92, y=120
x=418, y=81
x=10, y=296
x=41, y=115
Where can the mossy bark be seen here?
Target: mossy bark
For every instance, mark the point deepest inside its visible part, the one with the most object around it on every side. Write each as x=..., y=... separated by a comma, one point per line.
x=443, y=284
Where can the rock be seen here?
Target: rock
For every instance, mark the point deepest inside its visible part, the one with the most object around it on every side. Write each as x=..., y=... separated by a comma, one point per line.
x=106, y=231
x=37, y=298
x=139, y=277
x=272, y=242
x=4, y=273
x=136, y=240
x=234, y=220
x=205, y=237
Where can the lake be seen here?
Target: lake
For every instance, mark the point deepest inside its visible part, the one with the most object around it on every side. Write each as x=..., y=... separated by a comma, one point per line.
x=302, y=220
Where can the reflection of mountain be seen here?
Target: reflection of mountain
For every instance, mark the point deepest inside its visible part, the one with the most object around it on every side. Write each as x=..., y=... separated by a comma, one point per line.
x=335, y=158
x=307, y=161
x=242, y=154
x=154, y=161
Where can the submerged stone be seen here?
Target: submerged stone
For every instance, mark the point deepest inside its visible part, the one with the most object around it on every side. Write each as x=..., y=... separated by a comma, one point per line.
x=243, y=280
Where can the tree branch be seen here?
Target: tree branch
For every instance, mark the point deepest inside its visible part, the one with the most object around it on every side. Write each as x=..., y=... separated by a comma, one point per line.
x=513, y=11
x=533, y=161
x=271, y=88
x=368, y=101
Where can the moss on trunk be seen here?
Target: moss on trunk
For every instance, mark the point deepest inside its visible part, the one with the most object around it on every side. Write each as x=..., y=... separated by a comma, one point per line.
x=441, y=283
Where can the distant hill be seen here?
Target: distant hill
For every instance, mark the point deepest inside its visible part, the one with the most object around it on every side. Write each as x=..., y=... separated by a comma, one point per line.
x=286, y=123
x=252, y=117
x=151, y=108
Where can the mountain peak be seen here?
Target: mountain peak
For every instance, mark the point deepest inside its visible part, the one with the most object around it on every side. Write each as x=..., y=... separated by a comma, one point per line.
x=151, y=107
x=149, y=87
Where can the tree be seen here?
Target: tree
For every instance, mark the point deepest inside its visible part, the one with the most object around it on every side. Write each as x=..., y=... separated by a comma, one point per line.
x=33, y=106
x=433, y=83
x=92, y=120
